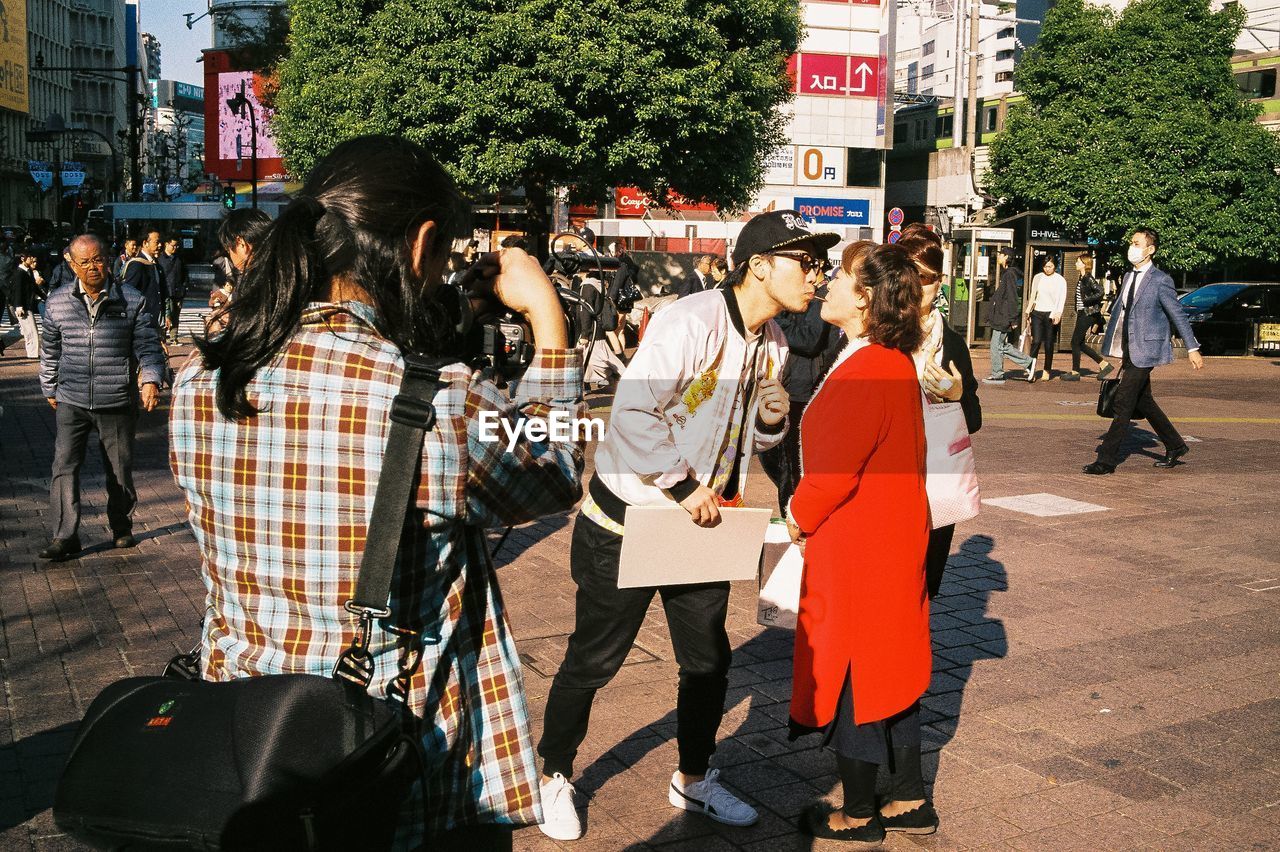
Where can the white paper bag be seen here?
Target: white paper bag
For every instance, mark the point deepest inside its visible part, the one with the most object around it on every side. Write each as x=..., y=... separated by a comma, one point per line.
x=952, y=480
x=780, y=570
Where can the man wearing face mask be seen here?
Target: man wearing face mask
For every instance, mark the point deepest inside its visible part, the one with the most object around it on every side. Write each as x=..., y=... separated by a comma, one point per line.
x=1138, y=334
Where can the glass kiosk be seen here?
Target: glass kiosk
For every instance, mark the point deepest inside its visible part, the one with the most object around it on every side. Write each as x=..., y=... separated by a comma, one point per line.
x=973, y=271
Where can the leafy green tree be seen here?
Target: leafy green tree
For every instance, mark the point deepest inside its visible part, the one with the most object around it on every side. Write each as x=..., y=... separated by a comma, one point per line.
x=1135, y=119
x=661, y=94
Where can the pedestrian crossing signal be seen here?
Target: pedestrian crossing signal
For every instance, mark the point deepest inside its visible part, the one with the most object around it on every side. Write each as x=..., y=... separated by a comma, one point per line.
x=229, y=197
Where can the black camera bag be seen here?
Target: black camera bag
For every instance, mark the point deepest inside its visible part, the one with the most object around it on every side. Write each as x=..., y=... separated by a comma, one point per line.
x=279, y=762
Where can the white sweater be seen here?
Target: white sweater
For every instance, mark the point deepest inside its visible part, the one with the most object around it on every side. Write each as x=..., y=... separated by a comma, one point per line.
x=679, y=400
x=1049, y=293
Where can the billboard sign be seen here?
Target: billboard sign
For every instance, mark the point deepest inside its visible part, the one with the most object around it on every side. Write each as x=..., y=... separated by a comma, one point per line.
x=236, y=131
x=835, y=211
x=13, y=56
x=628, y=201
x=838, y=75
x=225, y=132
x=819, y=166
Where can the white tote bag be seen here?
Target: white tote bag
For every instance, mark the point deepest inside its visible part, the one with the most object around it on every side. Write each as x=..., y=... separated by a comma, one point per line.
x=952, y=473
x=781, y=569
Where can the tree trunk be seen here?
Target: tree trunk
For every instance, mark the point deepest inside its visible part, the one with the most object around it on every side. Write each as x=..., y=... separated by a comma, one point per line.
x=537, y=201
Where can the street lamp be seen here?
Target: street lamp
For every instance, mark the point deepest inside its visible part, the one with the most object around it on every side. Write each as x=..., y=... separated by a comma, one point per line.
x=238, y=105
x=131, y=73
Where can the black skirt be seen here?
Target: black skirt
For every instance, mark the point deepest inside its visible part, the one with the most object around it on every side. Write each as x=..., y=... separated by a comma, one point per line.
x=871, y=742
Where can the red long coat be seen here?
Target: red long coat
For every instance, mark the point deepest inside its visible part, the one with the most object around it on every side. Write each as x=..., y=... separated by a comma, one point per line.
x=863, y=507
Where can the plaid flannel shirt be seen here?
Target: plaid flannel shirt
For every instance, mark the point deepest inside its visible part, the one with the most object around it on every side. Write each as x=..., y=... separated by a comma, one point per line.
x=280, y=505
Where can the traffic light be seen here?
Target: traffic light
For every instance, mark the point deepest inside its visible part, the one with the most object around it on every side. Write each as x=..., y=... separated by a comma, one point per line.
x=229, y=197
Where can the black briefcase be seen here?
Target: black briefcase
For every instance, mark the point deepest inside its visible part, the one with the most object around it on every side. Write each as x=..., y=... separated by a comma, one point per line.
x=277, y=762
x=1107, y=399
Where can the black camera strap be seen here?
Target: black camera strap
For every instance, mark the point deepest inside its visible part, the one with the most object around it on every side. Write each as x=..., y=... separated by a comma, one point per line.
x=412, y=416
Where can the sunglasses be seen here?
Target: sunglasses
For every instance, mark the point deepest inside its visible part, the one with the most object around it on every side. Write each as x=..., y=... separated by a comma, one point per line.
x=808, y=263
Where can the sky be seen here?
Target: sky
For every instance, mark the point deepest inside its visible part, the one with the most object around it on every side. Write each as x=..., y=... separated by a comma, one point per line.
x=179, y=47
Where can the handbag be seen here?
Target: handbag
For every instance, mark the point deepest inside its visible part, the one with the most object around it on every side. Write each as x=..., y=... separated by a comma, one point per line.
x=280, y=762
x=1107, y=397
x=952, y=472
x=781, y=570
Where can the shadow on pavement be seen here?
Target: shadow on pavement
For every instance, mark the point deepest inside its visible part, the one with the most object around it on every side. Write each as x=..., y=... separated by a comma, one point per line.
x=781, y=777
x=38, y=761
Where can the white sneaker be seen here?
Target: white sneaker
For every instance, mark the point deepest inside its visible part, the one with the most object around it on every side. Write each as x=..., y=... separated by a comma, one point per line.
x=559, y=817
x=709, y=798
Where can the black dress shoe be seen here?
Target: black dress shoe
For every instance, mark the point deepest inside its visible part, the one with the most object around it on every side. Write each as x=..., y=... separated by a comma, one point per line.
x=1171, y=457
x=123, y=540
x=1099, y=468
x=919, y=820
x=61, y=548
x=814, y=823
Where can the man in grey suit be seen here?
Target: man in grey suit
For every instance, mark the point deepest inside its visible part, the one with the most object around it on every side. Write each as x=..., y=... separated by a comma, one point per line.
x=1138, y=334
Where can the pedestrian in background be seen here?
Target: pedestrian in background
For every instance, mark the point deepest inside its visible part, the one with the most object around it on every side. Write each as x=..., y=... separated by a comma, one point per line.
x=127, y=253
x=1139, y=335
x=8, y=263
x=239, y=232
x=1004, y=319
x=62, y=273
x=861, y=513
x=719, y=272
x=1045, y=303
x=143, y=274
x=697, y=280
x=175, y=277
x=24, y=300
x=1088, y=317
x=100, y=361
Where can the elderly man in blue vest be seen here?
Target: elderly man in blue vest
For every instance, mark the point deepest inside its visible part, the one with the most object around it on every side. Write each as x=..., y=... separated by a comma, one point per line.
x=1138, y=334
x=100, y=359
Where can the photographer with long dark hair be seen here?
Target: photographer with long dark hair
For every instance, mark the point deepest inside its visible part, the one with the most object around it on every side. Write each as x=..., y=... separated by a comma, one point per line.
x=279, y=426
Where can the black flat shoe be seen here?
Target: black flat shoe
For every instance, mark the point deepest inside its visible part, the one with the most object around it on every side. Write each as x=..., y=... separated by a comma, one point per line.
x=920, y=820
x=1171, y=457
x=124, y=540
x=813, y=822
x=1099, y=468
x=61, y=548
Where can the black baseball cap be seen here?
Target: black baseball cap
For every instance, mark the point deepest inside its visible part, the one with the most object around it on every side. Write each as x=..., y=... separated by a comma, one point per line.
x=776, y=230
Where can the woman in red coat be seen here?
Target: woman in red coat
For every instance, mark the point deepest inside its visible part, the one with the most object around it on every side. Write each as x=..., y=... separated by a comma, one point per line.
x=862, y=657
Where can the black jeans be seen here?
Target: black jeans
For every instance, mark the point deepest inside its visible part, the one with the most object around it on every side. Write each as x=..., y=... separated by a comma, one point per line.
x=1133, y=396
x=1043, y=331
x=935, y=558
x=1084, y=322
x=782, y=462
x=116, y=427
x=606, y=621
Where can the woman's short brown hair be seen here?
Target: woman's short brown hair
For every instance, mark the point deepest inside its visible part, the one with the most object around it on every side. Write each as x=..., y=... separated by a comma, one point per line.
x=893, y=319
x=853, y=255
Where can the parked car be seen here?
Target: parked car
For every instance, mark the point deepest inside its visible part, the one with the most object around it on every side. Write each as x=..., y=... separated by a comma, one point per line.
x=1223, y=315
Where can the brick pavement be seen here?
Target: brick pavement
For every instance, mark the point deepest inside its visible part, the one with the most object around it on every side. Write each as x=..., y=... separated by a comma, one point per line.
x=1106, y=680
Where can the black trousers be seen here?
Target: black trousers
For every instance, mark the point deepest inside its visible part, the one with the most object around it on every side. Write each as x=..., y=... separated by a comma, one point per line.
x=116, y=428
x=781, y=463
x=606, y=622
x=1043, y=331
x=1084, y=322
x=1133, y=396
x=935, y=558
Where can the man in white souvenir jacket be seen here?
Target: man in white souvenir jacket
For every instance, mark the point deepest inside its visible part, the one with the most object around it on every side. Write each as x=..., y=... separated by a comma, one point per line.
x=699, y=397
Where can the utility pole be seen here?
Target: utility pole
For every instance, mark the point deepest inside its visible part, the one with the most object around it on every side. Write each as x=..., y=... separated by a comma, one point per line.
x=971, y=119
x=957, y=99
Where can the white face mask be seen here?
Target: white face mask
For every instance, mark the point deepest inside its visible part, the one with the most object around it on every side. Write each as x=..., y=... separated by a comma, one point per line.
x=1136, y=255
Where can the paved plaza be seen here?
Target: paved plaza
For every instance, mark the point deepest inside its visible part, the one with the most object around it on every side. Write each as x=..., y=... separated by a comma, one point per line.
x=1107, y=649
